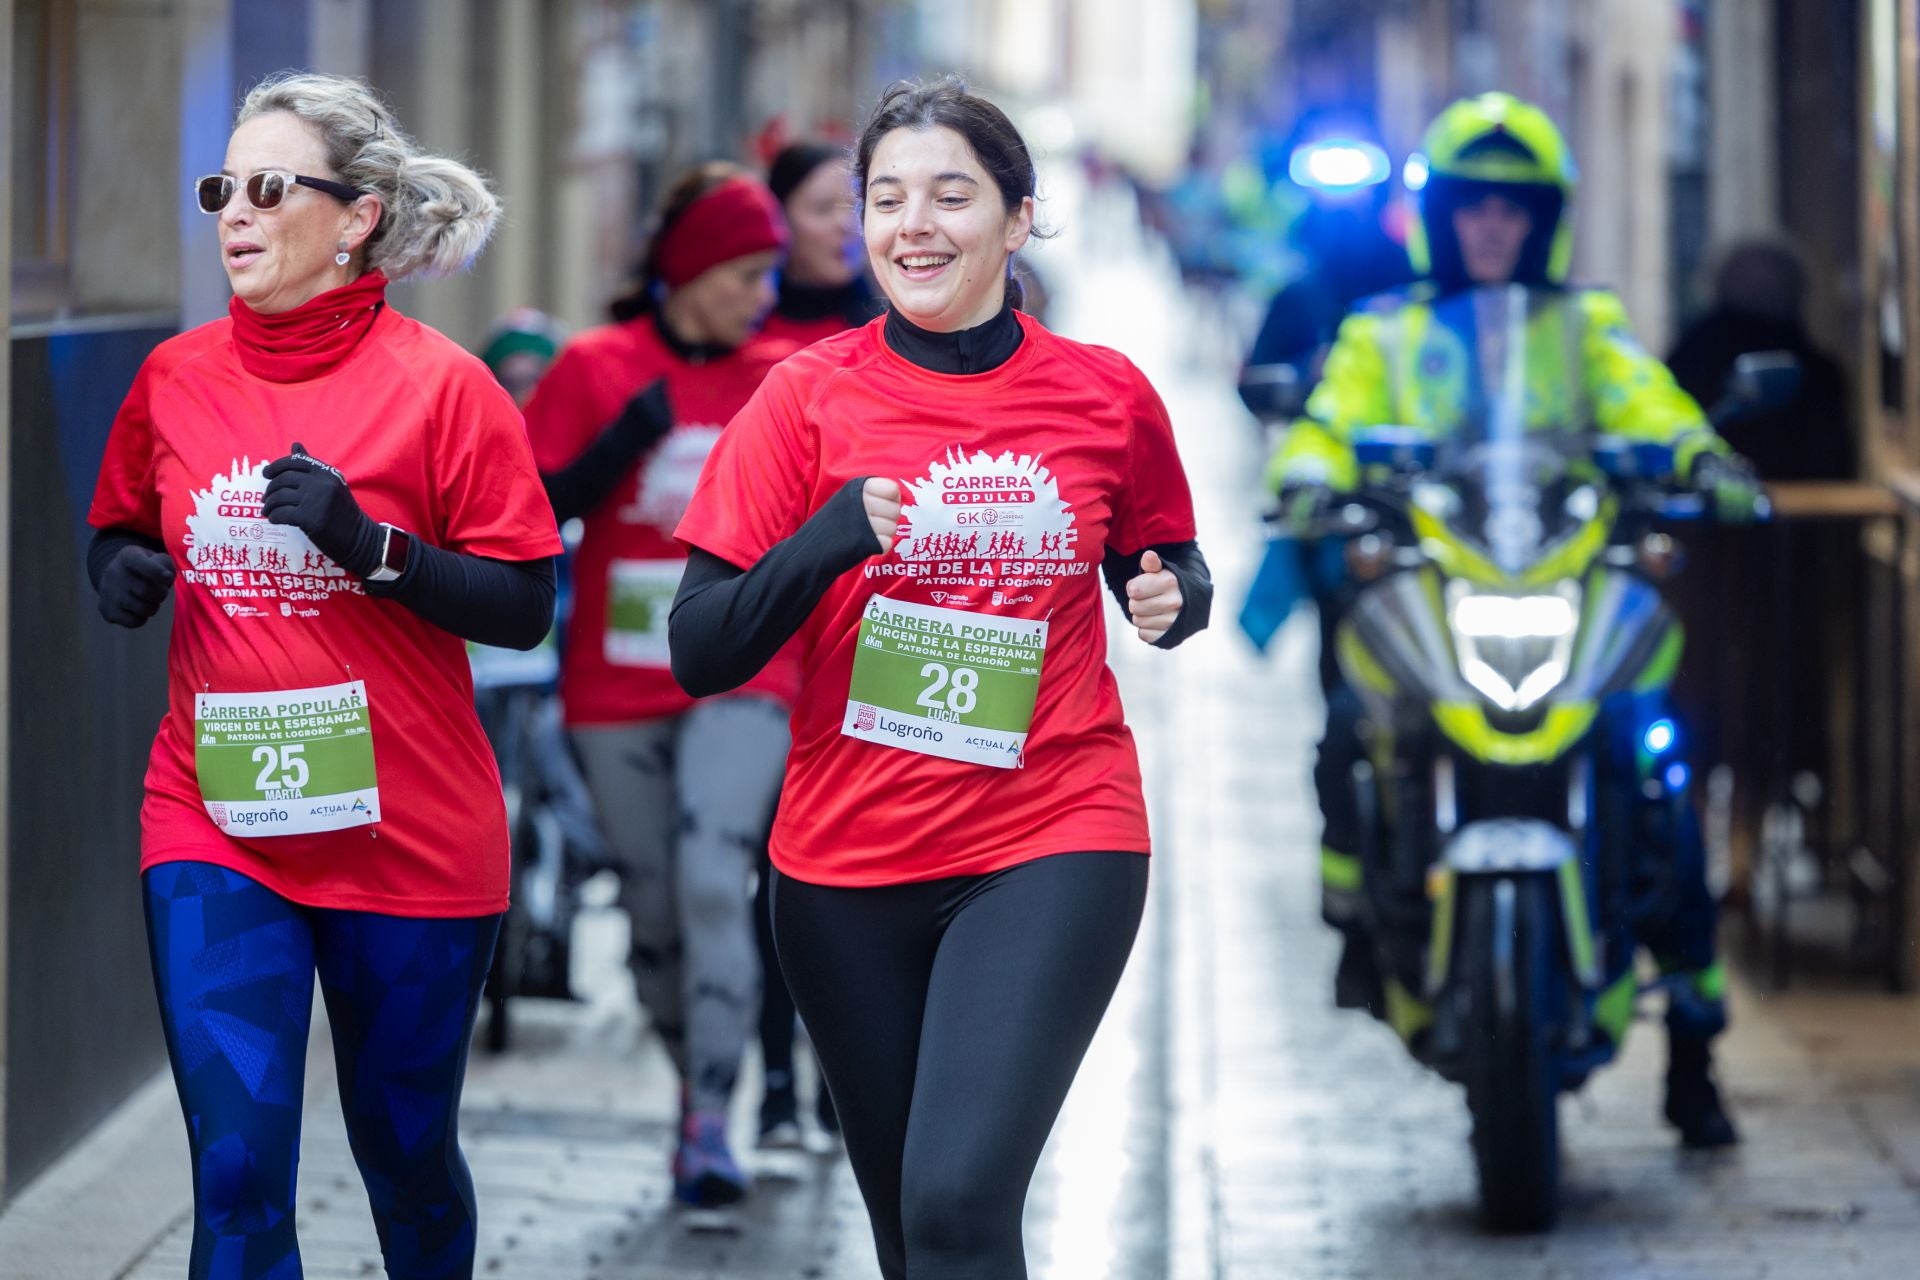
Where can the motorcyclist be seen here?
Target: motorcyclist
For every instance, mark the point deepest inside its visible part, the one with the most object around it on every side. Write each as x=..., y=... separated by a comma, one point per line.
x=1495, y=210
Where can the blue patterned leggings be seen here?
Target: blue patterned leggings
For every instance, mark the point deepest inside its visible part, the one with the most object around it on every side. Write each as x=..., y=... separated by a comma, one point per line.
x=233, y=964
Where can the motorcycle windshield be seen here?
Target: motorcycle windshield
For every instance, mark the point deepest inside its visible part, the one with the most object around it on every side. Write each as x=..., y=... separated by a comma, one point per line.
x=1514, y=356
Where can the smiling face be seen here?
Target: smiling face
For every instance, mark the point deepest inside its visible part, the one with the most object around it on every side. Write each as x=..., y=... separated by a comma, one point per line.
x=826, y=240
x=938, y=231
x=1492, y=233
x=724, y=304
x=278, y=258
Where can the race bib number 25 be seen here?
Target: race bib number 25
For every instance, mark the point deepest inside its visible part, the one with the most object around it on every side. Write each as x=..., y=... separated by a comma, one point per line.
x=290, y=762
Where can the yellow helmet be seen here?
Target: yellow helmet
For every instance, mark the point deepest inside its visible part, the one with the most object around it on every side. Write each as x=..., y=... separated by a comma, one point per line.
x=1494, y=144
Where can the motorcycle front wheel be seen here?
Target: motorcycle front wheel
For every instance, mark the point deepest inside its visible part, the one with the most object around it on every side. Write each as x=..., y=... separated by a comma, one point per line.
x=1508, y=968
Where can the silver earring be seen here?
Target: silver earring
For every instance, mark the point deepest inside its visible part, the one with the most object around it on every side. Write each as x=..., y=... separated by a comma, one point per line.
x=342, y=258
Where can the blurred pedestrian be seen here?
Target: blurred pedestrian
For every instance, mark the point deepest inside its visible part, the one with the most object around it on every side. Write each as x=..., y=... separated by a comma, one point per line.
x=1759, y=303
x=823, y=286
x=823, y=291
x=960, y=846
x=320, y=795
x=621, y=426
x=519, y=350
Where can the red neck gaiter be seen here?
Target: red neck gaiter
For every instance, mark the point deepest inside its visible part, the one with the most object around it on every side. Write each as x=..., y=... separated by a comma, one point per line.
x=311, y=339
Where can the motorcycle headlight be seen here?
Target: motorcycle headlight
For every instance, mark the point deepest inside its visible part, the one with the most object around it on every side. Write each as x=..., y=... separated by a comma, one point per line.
x=1514, y=650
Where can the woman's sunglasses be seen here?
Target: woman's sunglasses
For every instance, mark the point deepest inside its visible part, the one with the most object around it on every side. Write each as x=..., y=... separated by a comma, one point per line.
x=265, y=190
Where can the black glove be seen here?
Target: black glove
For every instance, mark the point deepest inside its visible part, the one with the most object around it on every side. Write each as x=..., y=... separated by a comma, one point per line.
x=313, y=497
x=590, y=479
x=134, y=585
x=647, y=418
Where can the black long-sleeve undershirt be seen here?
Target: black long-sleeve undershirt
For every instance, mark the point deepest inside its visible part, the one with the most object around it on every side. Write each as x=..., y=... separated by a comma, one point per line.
x=1188, y=567
x=508, y=603
x=108, y=543
x=590, y=479
x=727, y=623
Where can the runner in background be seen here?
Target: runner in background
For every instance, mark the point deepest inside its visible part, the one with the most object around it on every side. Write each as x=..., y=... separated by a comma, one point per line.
x=928, y=503
x=621, y=426
x=320, y=796
x=823, y=291
x=519, y=350
x=823, y=287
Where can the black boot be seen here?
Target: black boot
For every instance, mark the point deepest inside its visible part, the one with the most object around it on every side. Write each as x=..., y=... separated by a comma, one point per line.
x=1694, y=1106
x=1356, y=983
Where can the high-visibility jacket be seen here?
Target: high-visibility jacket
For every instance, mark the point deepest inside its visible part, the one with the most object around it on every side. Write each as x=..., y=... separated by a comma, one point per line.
x=1398, y=361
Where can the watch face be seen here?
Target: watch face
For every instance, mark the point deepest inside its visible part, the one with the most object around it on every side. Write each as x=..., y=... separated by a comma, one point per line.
x=399, y=547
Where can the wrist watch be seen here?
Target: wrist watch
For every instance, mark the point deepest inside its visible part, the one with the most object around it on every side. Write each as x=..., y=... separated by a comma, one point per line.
x=395, y=546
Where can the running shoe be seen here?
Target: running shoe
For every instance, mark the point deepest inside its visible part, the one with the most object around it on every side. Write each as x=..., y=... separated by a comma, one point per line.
x=780, y=1120
x=705, y=1174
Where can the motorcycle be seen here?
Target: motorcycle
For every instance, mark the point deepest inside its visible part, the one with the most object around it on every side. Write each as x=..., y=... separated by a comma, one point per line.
x=1525, y=787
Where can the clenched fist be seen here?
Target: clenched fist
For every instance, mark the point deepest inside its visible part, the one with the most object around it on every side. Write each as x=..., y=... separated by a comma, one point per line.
x=1153, y=598
x=882, y=501
x=135, y=585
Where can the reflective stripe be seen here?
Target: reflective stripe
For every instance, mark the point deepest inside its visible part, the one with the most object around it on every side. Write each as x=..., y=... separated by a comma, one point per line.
x=1573, y=907
x=1440, y=890
x=1613, y=1011
x=1340, y=872
x=1405, y=1014
x=1711, y=982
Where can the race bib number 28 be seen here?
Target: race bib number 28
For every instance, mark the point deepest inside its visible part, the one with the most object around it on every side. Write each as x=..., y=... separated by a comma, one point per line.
x=945, y=682
x=291, y=762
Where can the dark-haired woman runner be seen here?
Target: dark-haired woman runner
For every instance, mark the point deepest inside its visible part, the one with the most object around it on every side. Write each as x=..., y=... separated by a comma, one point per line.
x=621, y=426
x=824, y=288
x=929, y=503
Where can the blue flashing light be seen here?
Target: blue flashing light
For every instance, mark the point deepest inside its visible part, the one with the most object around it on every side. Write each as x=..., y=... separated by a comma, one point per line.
x=1677, y=776
x=1339, y=165
x=1660, y=737
x=1414, y=172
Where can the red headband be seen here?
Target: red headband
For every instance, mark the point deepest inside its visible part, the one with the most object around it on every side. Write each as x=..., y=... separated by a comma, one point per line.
x=736, y=218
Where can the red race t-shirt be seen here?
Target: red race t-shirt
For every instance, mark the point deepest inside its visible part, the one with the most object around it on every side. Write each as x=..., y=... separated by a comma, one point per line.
x=957, y=715
x=627, y=566
x=319, y=740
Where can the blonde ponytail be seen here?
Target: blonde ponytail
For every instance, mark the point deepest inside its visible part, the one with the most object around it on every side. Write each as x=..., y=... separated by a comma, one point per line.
x=436, y=213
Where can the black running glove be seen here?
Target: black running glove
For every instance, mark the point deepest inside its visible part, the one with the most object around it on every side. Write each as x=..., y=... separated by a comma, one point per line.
x=590, y=479
x=133, y=584
x=313, y=497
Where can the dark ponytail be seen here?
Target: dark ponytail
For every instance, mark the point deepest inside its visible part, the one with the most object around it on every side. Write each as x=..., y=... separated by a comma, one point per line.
x=641, y=297
x=946, y=104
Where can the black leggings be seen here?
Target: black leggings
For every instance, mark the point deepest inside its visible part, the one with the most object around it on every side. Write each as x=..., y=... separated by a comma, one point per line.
x=776, y=1002
x=950, y=1017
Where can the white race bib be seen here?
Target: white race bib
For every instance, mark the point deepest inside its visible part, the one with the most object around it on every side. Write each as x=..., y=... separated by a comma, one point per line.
x=639, y=596
x=287, y=763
